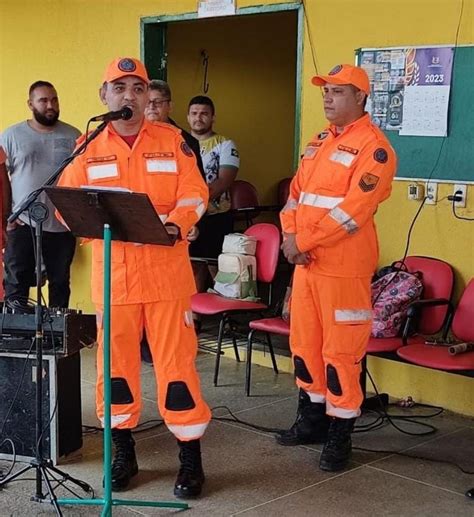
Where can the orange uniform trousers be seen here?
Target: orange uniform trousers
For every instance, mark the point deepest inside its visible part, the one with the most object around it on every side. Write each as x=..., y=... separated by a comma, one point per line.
x=330, y=328
x=173, y=345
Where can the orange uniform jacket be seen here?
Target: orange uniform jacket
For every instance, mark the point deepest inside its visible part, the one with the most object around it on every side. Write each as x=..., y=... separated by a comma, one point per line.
x=334, y=195
x=162, y=166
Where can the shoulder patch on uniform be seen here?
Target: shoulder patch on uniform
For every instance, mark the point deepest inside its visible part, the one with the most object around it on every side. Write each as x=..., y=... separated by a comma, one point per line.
x=368, y=182
x=380, y=155
x=234, y=152
x=311, y=150
x=186, y=149
x=323, y=135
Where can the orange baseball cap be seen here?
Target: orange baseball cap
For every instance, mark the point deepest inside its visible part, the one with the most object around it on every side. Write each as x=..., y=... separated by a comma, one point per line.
x=345, y=74
x=123, y=66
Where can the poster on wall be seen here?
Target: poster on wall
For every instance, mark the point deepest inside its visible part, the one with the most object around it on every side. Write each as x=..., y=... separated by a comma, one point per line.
x=409, y=88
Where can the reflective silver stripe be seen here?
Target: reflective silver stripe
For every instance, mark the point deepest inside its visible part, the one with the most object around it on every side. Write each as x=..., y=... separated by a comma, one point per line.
x=352, y=314
x=187, y=432
x=340, y=412
x=316, y=398
x=163, y=217
x=342, y=157
x=200, y=209
x=291, y=204
x=344, y=219
x=189, y=201
x=116, y=420
x=319, y=201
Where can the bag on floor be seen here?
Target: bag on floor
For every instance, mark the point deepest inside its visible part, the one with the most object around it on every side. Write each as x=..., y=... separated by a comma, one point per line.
x=236, y=277
x=239, y=243
x=393, y=289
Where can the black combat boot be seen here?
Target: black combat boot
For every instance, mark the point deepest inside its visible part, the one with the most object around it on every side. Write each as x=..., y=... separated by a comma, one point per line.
x=190, y=476
x=311, y=424
x=337, y=450
x=124, y=466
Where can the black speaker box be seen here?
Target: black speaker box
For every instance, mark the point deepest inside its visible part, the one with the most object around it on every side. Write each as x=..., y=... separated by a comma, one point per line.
x=62, y=417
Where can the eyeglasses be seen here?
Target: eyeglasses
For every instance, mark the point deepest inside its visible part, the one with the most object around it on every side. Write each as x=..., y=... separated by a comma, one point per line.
x=157, y=103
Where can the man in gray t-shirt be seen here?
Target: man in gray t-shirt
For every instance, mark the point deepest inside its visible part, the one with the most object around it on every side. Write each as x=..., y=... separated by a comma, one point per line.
x=34, y=149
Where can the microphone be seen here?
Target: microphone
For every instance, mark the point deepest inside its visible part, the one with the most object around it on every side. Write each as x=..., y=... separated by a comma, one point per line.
x=124, y=114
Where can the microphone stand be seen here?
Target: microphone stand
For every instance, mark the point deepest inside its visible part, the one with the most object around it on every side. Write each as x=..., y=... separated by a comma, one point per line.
x=44, y=467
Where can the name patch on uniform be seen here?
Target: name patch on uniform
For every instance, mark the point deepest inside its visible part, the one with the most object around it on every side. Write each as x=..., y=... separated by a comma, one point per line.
x=342, y=157
x=380, y=155
x=348, y=149
x=159, y=155
x=100, y=159
x=98, y=172
x=368, y=182
x=162, y=166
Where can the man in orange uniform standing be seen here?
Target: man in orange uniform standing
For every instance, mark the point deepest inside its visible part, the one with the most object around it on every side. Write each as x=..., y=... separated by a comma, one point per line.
x=151, y=285
x=329, y=233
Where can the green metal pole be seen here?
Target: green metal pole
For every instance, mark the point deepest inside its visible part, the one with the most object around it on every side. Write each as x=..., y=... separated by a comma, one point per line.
x=107, y=502
x=107, y=510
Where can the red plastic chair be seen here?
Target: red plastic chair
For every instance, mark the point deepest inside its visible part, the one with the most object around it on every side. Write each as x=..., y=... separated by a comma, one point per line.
x=275, y=325
x=268, y=245
x=428, y=315
x=437, y=356
x=244, y=198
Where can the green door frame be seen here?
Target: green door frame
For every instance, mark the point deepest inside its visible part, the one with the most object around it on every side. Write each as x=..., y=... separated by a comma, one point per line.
x=153, y=36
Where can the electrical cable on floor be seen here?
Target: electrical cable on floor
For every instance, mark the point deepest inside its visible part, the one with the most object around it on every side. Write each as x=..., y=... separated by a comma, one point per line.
x=141, y=428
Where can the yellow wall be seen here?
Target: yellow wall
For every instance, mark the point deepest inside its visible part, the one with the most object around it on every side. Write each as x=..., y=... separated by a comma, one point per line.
x=69, y=41
x=252, y=79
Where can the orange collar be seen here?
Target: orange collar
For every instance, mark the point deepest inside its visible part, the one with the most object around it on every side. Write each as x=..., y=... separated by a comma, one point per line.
x=360, y=122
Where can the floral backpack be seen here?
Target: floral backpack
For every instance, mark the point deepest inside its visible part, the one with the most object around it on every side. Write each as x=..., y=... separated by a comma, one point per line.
x=393, y=289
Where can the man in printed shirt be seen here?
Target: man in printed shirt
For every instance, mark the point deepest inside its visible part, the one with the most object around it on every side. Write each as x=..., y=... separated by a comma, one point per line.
x=221, y=164
x=329, y=233
x=151, y=285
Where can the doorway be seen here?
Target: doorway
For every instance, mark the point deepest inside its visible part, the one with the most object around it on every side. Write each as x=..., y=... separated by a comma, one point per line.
x=250, y=66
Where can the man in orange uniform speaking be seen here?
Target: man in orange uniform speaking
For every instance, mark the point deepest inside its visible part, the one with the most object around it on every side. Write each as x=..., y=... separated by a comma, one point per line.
x=151, y=285
x=329, y=233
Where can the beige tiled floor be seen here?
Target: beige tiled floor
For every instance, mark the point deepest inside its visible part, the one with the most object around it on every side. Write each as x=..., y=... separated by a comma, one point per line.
x=247, y=473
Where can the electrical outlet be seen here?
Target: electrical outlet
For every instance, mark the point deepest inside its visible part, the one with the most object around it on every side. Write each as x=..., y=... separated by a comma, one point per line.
x=415, y=192
x=431, y=193
x=460, y=190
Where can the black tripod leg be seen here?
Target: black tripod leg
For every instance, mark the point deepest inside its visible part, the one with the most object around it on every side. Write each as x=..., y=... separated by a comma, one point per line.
x=52, y=497
x=66, y=477
x=11, y=477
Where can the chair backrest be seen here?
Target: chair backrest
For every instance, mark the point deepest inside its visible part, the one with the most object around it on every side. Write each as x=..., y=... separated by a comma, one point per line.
x=268, y=247
x=438, y=282
x=463, y=327
x=283, y=190
x=243, y=195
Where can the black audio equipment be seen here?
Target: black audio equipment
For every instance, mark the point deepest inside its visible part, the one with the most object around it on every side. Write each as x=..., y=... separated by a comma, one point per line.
x=65, y=331
x=62, y=419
